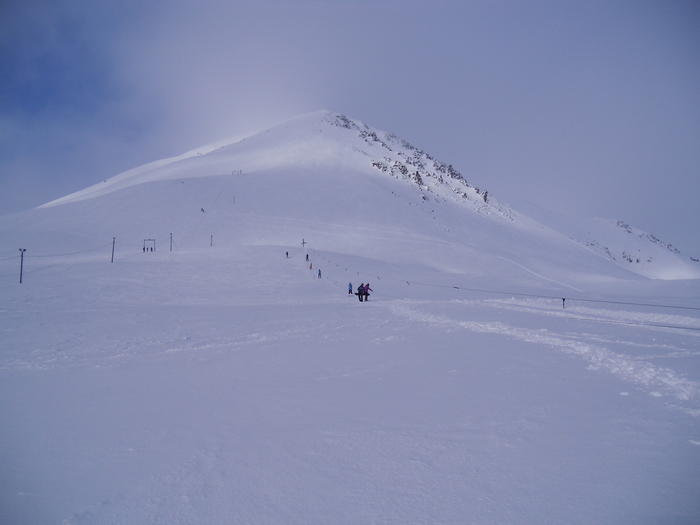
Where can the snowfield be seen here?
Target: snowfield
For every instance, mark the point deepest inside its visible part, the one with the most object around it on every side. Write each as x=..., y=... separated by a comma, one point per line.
x=224, y=382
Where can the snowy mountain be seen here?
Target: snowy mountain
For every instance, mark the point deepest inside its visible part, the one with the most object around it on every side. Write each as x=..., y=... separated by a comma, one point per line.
x=640, y=251
x=183, y=348
x=344, y=185
x=631, y=248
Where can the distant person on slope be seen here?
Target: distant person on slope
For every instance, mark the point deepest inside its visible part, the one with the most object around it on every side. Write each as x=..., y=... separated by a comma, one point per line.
x=361, y=291
x=319, y=273
x=349, y=288
x=367, y=290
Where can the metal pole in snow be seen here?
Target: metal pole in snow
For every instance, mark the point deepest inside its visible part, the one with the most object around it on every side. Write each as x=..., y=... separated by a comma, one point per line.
x=21, y=263
x=113, y=241
x=211, y=243
x=171, y=242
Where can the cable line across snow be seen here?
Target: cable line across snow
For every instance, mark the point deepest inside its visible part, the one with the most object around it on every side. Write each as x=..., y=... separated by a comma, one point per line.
x=553, y=297
x=73, y=253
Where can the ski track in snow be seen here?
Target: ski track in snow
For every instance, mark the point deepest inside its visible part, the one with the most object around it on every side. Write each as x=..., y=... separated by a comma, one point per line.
x=72, y=349
x=633, y=369
x=647, y=319
x=539, y=275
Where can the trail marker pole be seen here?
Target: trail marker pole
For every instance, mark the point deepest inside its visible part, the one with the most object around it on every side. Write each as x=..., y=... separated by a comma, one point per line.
x=211, y=243
x=171, y=242
x=21, y=263
x=113, y=241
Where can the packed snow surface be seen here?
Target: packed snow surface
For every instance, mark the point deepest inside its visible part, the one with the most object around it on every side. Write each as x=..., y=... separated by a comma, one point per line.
x=501, y=372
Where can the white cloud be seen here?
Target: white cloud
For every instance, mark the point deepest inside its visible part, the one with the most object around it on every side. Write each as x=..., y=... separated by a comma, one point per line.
x=588, y=108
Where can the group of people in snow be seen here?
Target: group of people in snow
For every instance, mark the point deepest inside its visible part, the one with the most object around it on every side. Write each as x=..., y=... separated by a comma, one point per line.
x=362, y=291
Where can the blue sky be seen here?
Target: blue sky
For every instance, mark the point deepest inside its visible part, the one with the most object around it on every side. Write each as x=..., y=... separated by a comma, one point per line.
x=591, y=108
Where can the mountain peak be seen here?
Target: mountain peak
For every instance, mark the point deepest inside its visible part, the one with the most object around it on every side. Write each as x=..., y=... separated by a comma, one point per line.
x=358, y=189
x=320, y=139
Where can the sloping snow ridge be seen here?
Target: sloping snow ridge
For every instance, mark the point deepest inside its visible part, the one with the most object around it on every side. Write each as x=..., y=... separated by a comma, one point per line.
x=640, y=251
x=630, y=248
x=183, y=348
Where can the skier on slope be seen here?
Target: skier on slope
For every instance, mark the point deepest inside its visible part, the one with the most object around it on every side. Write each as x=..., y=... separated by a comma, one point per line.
x=361, y=291
x=319, y=273
x=367, y=290
x=349, y=288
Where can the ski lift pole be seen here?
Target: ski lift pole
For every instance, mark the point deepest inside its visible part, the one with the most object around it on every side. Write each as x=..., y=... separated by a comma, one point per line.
x=21, y=263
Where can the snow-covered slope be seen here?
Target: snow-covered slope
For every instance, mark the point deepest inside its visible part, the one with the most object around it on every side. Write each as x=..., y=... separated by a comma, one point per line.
x=631, y=248
x=224, y=380
x=353, y=179
x=339, y=184
x=637, y=250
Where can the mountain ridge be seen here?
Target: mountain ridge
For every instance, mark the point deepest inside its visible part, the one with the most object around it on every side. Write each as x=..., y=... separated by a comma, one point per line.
x=342, y=176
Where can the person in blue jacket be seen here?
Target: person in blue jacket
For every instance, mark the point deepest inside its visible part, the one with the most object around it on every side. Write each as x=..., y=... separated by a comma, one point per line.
x=349, y=288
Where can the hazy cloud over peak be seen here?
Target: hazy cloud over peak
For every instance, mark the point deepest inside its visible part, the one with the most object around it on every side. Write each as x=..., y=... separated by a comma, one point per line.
x=592, y=108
